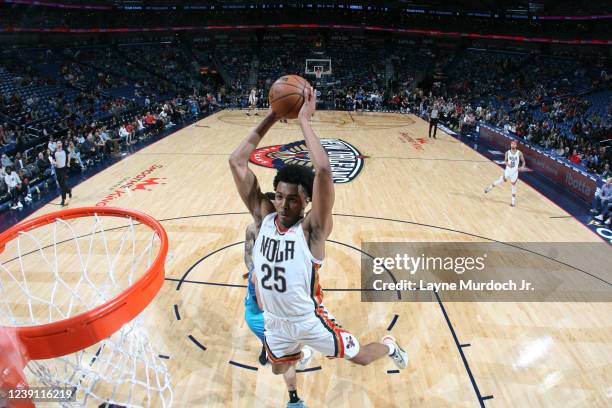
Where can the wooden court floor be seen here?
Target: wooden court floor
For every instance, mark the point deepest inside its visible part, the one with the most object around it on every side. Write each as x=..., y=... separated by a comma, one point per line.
x=409, y=189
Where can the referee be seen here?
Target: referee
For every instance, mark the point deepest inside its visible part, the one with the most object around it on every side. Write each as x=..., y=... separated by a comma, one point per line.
x=433, y=120
x=62, y=163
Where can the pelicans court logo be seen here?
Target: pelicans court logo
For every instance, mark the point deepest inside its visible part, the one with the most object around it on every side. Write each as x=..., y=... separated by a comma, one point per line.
x=345, y=160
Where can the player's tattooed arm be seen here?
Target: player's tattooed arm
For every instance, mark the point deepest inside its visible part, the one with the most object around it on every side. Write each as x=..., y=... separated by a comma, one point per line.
x=506, y=160
x=246, y=182
x=249, y=242
x=522, y=160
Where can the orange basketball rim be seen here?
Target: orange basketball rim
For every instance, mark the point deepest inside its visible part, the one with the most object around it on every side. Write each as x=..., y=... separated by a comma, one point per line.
x=19, y=345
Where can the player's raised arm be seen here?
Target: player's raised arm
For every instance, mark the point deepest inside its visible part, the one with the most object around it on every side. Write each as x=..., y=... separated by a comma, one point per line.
x=245, y=179
x=320, y=216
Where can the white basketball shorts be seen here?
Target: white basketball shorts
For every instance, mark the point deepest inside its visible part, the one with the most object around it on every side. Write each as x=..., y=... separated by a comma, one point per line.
x=284, y=338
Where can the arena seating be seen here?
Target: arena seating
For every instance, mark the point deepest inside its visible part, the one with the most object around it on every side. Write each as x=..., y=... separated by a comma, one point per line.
x=72, y=93
x=555, y=100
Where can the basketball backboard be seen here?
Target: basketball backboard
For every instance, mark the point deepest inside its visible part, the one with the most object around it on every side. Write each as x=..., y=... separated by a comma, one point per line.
x=319, y=69
x=312, y=65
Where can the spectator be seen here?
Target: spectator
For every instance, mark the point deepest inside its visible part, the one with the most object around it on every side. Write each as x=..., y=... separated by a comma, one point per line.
x=149, y=120
x=89, y=148
x=52, y=145
x=125, y=135
x=566, y=152
x=24, y=176
x=107, y=140
x=13, y=183
x=43, y=164
x=100, y=144
x=139, y=125
x=6, y=161
x=20, y=163
x=606, y=214
x=601, y=200
x=592, y=161
x=131, y=130
x=606, y=173
x=575, y=157
x=75, y=154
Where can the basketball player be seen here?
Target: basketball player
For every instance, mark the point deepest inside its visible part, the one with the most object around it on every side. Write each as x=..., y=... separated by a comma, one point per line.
x=252, y=102
x=289, y=251
x=514, y=157
x=253, y=315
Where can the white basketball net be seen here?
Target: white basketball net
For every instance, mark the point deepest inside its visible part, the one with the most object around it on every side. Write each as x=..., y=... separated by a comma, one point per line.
x=71, y=266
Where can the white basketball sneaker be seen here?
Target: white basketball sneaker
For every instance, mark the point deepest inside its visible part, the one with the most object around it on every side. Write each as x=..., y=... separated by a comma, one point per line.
x=399, y=356
x=303, y=363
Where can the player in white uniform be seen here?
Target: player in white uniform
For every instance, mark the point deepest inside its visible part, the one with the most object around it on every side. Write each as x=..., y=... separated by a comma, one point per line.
x=254, y=311
x=514, y=157
x=252, y=101
x=289, y=251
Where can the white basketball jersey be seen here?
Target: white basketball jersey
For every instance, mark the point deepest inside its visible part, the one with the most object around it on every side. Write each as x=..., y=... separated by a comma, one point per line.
x=513, y=159
x=286, y=271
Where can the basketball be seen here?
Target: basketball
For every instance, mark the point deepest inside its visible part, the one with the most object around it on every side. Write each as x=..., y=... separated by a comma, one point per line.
x=287, y=96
